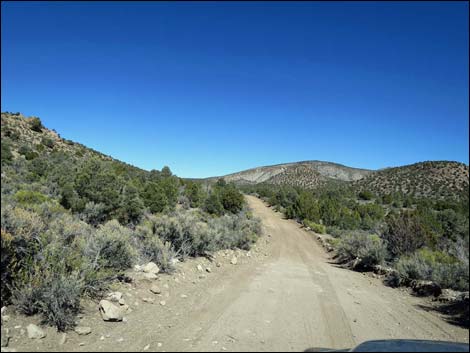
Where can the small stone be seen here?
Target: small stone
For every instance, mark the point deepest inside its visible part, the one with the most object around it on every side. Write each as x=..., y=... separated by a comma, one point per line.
x=184, y=296
x=120, y=340
x=83, y=330
x=63, y=339
x=122, y=301
x=35, y=332
x=114, y=296
x=137, y=268
x=218, y=264
x=159, y=344
x=102, y=338
x=208, y=269
x=234, y=261
x=199, y=268
x=163, y=303
x=146, y=348
x=81, y=344
x=148, y=300
x=155, y=289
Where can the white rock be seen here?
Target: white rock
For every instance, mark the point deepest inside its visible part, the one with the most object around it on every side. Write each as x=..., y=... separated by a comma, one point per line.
x=163, y=303
x=63, y=339
x=35, y=332
x=151, y=267
x=122, y=301
x=159, y=344
x=109, y=311
x=114, y=296
x=155, y=289
x=208, y=269
x=83, y=330
x=146, y=348
x=184, y=296
x=199, y=268
x=137, y=268
x=234, y=261
x=150, y=276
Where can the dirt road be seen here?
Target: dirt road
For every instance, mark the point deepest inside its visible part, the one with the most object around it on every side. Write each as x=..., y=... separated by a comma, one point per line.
x=292, y=299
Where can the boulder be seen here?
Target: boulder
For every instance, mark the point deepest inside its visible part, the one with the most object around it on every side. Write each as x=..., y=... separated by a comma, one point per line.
x=426, y=288
x=35, y=332
x=151, y=267
x=109, y=311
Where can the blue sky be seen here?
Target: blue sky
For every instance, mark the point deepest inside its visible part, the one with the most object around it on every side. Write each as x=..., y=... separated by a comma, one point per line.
x=212, y=88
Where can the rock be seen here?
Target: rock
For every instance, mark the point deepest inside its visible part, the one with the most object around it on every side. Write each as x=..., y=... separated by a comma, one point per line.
x=155, y=289
x=248, y=254
x=150, y=276
x=234, y=261
x=151, y=267
x=83, y=330
x=5, y=337
x=218, y=264
x=35, y=332
x=122, y=301
x=137, y=268
x=109, y=311
x=208, y=269
x=199, y=268
x=148, y=300
x=184, y=296
x=114, y=296
x=159, y=344
x=163, y=303
x=426, y=288
x=174, y=261
x=146, y=348
x=63, y=339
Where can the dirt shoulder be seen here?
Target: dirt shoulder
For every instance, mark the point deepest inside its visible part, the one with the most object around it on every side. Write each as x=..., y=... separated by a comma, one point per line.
x=284, y=295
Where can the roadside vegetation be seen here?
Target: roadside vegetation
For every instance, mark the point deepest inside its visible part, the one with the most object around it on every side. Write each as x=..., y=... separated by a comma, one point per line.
x=74, y=220
x=421, y=238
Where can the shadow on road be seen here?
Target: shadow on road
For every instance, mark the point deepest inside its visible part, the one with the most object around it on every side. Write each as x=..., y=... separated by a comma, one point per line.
x=455, y=313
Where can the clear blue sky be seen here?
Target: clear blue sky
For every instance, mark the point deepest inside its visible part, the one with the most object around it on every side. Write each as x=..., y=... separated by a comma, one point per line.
x=212, y=88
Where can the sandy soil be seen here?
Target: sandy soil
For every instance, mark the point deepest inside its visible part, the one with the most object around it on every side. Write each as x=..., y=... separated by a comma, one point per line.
x=284, y=295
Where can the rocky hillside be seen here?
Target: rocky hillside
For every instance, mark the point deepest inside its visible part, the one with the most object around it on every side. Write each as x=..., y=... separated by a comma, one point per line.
x=26, y=136
x=307, y=174
x=434, y=179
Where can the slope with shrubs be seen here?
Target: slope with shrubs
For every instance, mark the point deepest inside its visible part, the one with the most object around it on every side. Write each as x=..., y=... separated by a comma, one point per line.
x=422, y=238
x=73, y=220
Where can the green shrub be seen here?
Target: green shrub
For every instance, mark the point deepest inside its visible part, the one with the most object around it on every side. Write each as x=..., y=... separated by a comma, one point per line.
x=6, y=154
x=113, y=248
x=317, y=228
x=35, y=124
x=366, y=195
x=27, y=197
x=48, y=142
x=435, y=266
x=366, y=247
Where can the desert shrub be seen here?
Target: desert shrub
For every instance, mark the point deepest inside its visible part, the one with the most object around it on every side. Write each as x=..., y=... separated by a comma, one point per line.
x=213, y=205
x=435, y=266
x=93, y=213
x=366, y=195
x=59, y=301
x=335, y=232
x=405, y=233
x=231, y=199
x=6, y=154
x=112, y=247
x=27, y=197
x=368, y=248
x=52, y=294
x=48, y=142
x=317, y=228
x=152, y=248
x=35, y=124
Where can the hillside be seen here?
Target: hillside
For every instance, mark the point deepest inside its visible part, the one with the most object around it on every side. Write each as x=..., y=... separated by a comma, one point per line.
x=432, y=179
x=308, y=174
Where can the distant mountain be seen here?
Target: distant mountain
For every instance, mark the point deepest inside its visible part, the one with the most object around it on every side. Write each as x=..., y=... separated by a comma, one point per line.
x=308, y=174
x=436, y=179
